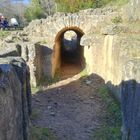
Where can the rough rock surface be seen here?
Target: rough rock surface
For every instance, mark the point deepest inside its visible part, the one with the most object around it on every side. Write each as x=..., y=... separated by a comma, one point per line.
x=9, y=49
x=131, y=12
x=106, y=56
x=41, y=58
x=108, y=47
x=130, y=100
x=15, y=99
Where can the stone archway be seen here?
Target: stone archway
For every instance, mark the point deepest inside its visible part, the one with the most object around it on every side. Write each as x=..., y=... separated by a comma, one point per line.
x=66, y=61
x=51, y=31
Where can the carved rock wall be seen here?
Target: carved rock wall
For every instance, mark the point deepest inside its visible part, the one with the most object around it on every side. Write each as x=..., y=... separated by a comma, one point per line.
x=15, y=99
x=107, y=55
x=131, y=12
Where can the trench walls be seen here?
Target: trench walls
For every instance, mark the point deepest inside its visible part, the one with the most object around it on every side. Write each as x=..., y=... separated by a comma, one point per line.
x=111, y=49
x=47, y=36
x=107, y=43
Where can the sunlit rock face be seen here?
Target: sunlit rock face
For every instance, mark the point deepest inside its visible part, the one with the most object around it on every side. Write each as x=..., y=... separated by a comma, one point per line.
x=131, y=11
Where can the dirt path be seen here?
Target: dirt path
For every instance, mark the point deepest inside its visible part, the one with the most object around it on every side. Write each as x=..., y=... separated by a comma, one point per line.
x=70, y=70
x=72, y=111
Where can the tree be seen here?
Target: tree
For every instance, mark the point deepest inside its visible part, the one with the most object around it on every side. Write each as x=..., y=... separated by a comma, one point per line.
x=13, y=9
x=40, y=9
x=48, y=6
x=34, y=11
x=5, y=7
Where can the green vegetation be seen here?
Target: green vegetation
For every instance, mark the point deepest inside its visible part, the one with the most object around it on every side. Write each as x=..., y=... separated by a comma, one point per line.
x=117, y=19
x=49, y=80
x=111, y=129
x=40, y=133
x=43, y=42
x=118, y=2
x=76, y=5
x=84, y=73
x=36, y=89
x=4, y=34
x=35, y=114
x=102, y=3
x=34, y=11
x=73, y=5
x=44, y=81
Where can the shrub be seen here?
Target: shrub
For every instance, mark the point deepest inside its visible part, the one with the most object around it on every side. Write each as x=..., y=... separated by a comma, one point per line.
x=4, y=34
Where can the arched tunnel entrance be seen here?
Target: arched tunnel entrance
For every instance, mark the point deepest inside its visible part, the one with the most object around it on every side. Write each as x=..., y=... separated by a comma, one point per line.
x=68, y=55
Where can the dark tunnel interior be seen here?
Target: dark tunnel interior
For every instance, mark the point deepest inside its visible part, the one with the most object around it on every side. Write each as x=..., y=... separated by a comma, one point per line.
x=68, y=53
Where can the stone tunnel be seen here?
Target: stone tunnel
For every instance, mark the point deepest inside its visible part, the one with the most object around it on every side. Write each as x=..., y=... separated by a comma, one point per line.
x=68, y=54
x=60, y=55
x=110, y=51
x=99, y=46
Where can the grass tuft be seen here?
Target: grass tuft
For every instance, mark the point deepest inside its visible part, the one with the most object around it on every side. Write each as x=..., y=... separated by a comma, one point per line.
x=35, y=114
x=4, y=34
x=84, y=73
x=46, y=80
x=111, y=128
x=117, y=19
x=42, y=133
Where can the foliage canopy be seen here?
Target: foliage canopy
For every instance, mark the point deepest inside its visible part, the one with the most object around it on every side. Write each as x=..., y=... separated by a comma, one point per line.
x=34, y=11
x=41, y=8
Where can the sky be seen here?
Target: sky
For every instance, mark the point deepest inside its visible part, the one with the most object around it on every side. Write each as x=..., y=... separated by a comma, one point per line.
x=25, y=1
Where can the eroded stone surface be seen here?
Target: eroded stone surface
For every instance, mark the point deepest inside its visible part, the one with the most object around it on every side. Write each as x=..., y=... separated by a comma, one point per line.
x=131, y=12
x=15, y=99
x=130, y=100
x=108, y=47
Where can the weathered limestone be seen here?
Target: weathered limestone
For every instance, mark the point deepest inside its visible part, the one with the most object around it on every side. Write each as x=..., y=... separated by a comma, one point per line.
x=44, y=60
x=131, y=12
x=15, y=99
x=106, y=56
x=87, y=20
x=38, y=58
x=9, y=49
x=111, y=50
x=97, y=24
